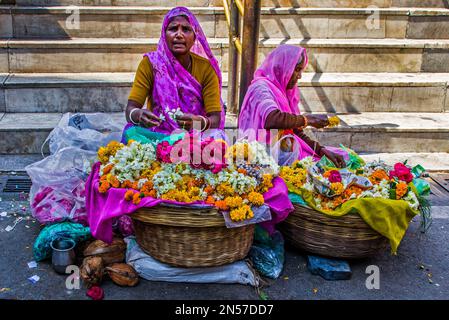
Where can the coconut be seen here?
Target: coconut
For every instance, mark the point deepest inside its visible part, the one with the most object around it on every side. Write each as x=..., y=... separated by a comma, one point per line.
x=110, y=253
x=92, y=271
x=123, y=274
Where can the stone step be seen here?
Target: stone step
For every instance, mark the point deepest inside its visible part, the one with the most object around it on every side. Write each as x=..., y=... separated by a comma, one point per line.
x=24, y=133
x=145, y=22
x=389, y=132
x=266, y=3
x=325, y=55
x=327, y=92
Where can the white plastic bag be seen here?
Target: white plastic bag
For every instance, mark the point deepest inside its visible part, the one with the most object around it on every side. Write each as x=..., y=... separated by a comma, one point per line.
x=154, y=270
x=286, y=158
x=86, y=131
x=58, y=186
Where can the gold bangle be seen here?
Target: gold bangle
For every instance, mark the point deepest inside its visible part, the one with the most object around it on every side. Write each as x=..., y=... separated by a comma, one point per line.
x=306, y=123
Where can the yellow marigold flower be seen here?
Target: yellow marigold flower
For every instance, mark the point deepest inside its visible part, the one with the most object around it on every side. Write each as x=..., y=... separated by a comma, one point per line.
x=234, y=202
x=241, y=213
x=256, y=198
x=110, y=150
x=337, y=187
x=333, y=121
x=225, y=189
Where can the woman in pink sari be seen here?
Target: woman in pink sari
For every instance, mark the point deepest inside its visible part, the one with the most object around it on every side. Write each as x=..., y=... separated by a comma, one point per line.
x=182, y=73
x=272, y=103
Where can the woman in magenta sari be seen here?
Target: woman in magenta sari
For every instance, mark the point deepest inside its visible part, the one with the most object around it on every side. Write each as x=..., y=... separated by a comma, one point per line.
x=272, y=103
x=182, y=73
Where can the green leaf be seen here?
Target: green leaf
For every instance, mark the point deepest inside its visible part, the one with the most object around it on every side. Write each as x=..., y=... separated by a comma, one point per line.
x=263, y=295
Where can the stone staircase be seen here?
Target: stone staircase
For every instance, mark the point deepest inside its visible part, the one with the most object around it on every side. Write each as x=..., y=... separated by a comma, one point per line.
x=384, y=69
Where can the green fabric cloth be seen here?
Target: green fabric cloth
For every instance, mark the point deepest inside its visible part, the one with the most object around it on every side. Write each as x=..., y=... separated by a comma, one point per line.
x=388, y=217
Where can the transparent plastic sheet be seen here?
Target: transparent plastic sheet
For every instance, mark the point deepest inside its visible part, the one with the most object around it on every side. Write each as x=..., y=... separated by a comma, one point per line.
x=154, y=270
x=267, y=253
x=86, y=131
x=58, y=185
x=284, y=157
x=261, y=214
x=58, y=189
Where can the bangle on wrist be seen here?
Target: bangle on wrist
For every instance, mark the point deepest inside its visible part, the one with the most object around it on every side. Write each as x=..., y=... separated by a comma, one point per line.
x=206, y=123
x=306, y=123
x=131, y=116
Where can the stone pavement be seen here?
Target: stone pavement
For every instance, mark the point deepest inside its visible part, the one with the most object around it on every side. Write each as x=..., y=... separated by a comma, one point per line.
x=419, y=271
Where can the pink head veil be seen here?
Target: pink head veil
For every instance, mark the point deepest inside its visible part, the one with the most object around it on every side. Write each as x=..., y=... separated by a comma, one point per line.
x=170, y=77
x=268, y=90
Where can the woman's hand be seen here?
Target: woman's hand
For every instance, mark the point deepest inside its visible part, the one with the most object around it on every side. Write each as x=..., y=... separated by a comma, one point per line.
x=146, y=118
x=317, y=120
x=187, y=121
x=336, y=158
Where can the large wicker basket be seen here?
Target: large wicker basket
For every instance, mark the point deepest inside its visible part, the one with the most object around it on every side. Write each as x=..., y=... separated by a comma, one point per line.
x=190, y=237
x=347, y=237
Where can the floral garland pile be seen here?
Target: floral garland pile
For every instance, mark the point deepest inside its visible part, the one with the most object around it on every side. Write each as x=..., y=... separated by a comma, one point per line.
x=332, y=187
x=232, y=179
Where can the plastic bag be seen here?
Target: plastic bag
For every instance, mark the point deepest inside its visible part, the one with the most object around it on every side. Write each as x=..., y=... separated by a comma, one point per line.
x=154, y=270
x=283, y=157
x=261, y=214
x=267, y=253
x=86, y=131
x=58, y=189
x=74, y=231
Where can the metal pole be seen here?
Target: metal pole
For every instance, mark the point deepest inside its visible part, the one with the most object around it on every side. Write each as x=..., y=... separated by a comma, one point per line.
x=250, y=43
x=234, y=60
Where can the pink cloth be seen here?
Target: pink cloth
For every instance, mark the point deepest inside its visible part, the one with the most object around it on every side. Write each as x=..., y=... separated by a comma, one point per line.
x=103, y=207
x=173, y=85
x=268, y=90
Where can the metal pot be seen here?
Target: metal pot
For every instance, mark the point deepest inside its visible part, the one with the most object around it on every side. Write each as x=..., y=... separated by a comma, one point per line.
x=63, y=254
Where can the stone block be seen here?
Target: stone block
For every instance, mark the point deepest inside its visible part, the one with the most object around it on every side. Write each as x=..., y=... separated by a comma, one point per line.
x=435, y=60
x=428, y=27
x=329, y=269
x=6, y=30
x=67, y=99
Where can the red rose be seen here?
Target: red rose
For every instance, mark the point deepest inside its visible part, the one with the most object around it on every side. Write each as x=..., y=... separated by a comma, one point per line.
x=334, y=176
x=402, y=172
x=96, y=293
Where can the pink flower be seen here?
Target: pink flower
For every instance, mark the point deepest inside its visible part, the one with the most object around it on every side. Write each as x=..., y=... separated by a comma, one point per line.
x=163, y=150
x=96, y=293
x=334, y=176
x=402, y=172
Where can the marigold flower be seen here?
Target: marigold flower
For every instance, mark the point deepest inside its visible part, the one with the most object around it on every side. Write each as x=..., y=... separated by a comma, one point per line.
x=401, y=190
x=256, y=198
x=104, y=187
x=234, y=202
x=377, y=176
x=337, y=187
x=136, y=198
x=126, y=184
x=107, y=169
x=129, y=195
x=209, y=190
x=114, y=181
x=221, y=205
x=241, y=213
x=210, y=200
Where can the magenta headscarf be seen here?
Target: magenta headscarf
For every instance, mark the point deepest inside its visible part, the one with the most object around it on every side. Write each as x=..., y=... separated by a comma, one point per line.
x=173, y=85
x=270, y=84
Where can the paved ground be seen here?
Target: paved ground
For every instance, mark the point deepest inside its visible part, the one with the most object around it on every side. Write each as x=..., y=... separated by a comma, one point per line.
x=419, y=271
